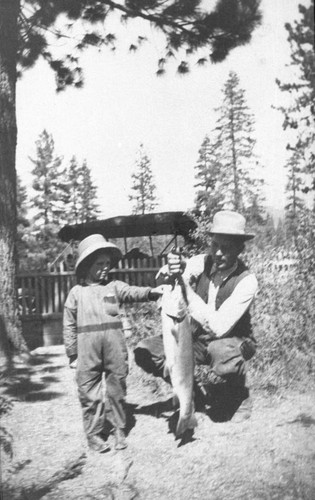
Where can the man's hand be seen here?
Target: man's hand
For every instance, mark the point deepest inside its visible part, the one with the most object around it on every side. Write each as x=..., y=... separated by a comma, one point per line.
x=176, y=264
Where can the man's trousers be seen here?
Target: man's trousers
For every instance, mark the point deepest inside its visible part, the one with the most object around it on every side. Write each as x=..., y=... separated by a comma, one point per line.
x=223, y=356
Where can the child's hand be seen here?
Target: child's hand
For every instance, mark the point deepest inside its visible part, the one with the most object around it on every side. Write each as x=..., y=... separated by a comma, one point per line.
x=157, y=292
x=160, y=289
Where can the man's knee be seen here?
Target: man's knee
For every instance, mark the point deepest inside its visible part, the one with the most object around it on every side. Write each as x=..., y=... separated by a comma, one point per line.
x=248, y=348
x=226, y=358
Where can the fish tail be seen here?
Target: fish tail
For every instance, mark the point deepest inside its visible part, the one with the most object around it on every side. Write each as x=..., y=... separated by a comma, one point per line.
x=184, y=424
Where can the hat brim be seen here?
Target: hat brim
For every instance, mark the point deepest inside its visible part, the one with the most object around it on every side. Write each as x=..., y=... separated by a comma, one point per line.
x=115, y=253
x=243, y=236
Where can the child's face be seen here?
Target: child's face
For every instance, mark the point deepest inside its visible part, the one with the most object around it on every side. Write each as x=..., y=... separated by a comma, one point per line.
x=99, y=268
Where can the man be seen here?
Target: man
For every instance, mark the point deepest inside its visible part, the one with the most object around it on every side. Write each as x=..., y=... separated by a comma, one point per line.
x=94, y=338
x=220, y=290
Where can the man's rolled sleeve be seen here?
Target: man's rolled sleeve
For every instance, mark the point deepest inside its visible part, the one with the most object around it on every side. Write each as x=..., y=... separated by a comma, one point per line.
x=199, y=311
x=220, y=322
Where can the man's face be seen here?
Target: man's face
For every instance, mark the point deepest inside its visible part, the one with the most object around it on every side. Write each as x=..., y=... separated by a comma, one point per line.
x=224, y=250
x=100, y=267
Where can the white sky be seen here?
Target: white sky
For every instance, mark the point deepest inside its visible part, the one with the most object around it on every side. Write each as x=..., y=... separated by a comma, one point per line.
x=124, y=104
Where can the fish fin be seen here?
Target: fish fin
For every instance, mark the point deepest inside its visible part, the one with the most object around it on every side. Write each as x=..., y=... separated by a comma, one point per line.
x=166, y=371
x=175, y=401
x=176, y=313
x=184, y=424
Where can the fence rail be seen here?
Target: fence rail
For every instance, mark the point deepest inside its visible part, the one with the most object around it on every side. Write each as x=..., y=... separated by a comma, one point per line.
x=44, y=293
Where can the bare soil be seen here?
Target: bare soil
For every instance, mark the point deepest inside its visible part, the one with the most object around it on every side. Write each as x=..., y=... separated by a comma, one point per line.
x=269, y=456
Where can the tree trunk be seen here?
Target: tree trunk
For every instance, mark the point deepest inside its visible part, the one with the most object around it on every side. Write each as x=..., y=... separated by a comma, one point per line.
x=10, y=331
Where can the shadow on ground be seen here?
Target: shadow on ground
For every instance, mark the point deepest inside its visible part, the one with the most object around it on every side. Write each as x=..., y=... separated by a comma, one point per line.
x=36, y=492
x=30, y=380
x=220, y=410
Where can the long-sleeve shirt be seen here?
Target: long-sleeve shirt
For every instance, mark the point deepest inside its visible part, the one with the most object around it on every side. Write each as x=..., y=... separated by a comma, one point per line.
x=95, y=307
x=219, y=322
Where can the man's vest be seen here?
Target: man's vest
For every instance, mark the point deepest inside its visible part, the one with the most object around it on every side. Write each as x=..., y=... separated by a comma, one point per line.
x=243, y=327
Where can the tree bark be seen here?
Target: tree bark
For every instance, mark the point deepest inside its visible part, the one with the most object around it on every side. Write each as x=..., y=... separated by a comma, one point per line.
x=10, y=329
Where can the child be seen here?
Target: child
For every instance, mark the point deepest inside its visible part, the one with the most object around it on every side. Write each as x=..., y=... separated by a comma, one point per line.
x=94, y=338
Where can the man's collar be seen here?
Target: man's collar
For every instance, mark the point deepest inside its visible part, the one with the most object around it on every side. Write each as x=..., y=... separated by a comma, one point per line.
x=223, y=274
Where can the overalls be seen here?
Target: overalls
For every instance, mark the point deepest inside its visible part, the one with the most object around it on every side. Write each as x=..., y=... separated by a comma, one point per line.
x=93, y=331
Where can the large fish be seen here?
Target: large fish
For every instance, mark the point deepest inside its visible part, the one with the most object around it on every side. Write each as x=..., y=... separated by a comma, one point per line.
x=178, y=347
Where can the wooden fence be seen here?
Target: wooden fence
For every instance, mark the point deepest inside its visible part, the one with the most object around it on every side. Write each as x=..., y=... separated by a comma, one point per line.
x=44, y=293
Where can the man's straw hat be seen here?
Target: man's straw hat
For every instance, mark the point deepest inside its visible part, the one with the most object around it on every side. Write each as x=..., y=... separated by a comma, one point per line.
x=95, y=242
x=230, y=223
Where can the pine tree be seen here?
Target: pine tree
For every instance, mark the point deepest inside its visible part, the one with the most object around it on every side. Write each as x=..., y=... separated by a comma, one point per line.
x=255, y=213
x=49, y=183
x=73, y=180
x=269, y=233
x=143, y=187
x=81, y=205
x=23, y=222
x=208, y=198
x=21, y=203
x=227, y=169
x=48, y=203
x=240, y=182
x=299, y=115
x=281, y=236
x=293, y=189
x=185, y=24
x=87, y=195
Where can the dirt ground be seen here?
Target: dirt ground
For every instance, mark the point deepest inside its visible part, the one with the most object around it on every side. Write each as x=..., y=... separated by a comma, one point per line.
x=269, y=456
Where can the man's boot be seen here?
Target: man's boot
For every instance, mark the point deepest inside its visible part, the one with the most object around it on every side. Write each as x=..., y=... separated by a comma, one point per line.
x=207, y=385
x=244, y=408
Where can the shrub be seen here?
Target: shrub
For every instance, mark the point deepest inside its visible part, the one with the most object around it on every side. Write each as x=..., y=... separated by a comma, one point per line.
x=145, y=321
x=283, y=313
